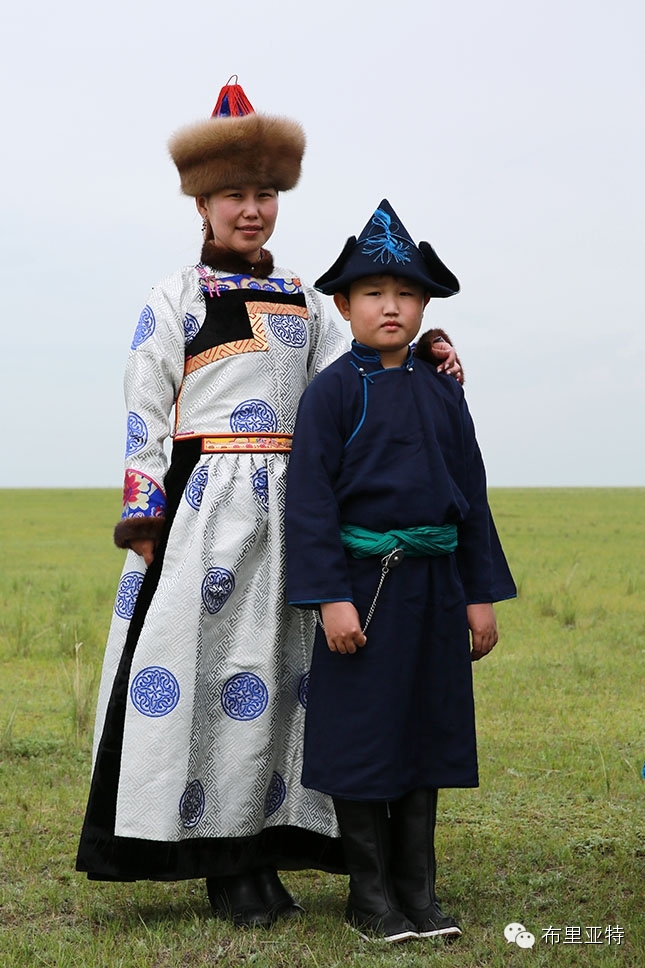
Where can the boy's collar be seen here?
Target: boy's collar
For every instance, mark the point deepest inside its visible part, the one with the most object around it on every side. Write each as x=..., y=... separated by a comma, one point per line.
x=370, y=359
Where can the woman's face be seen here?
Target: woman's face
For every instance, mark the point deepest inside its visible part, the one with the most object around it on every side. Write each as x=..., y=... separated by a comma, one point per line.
x=242, y=219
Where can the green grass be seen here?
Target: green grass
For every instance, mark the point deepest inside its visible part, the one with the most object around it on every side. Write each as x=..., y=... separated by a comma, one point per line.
x=554, y=836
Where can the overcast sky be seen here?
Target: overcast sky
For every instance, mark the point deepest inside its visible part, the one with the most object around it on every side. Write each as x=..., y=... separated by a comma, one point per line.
x=508, y=134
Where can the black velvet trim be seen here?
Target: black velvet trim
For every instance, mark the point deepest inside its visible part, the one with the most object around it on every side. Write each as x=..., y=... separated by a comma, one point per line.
x=283, y=848
x=227, y=319
x=106, y=857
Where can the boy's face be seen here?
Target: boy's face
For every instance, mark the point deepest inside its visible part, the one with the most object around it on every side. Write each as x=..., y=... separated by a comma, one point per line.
x=385, y=313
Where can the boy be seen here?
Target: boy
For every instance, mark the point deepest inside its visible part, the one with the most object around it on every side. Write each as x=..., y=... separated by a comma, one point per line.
x=389, y=534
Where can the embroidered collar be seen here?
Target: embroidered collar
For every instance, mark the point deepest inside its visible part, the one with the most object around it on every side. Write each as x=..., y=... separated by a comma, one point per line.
x=217, y=257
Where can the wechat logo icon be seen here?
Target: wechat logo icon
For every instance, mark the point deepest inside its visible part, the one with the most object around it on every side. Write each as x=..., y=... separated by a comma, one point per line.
x=516, y=933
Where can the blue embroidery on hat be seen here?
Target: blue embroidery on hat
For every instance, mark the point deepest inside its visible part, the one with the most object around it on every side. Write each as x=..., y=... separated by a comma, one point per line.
x=289, y=329
x=195, y=486
x=386, y=246
x=154, y=692
x=260, y=485
x=145, y=327
x=217, y=587
x=244, y=696
x=137, y=434
x=191, y=328
x=192, y=804
x=275, y=795
x=303, y=690
x=254, y=416
x=127, y=592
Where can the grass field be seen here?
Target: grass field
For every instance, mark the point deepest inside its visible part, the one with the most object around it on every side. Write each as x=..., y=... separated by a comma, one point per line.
x=554, y=838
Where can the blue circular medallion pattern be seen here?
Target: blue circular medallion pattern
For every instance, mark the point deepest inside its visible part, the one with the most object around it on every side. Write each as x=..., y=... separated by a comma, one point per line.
x=137, y=434
x=244, y=696
x=290, y=330
x=217, y=587
x=127, y=592
x=145, y=327
x=275, y=795
x=253, y=417
x=154, y=691
x=192, y=804
x=303, y=690
x=191, y=328
x=195, y=486
x=260, y=485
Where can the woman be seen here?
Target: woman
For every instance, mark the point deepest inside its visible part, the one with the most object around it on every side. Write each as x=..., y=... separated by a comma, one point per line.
x=200, y=716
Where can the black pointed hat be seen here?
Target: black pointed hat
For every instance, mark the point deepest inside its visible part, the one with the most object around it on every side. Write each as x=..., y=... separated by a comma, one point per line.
x=384, y=246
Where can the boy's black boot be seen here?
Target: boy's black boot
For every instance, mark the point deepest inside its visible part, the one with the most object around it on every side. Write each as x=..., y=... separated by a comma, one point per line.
x=372, y=906
x=413, y=819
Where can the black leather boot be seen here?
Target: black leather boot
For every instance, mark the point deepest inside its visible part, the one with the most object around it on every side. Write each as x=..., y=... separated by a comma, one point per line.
x=372, y=906
x=275, y=896
x=413, y=821
x=237, y=899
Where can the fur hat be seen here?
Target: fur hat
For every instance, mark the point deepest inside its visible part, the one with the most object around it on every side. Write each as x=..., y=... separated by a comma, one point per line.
x=384, y=246
x=237, y=147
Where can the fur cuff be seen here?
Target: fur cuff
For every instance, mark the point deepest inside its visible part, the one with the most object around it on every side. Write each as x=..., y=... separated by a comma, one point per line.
x=218, y=257
x=137, y=528
x=423, y=349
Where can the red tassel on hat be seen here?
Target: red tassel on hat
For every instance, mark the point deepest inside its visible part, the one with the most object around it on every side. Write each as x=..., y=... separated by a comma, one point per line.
x=232, y=101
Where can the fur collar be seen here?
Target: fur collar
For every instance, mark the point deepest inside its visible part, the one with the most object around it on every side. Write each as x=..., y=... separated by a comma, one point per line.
x=218, y=257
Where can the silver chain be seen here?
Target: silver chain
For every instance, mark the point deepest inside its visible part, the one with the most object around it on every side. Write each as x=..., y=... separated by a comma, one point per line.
x=388, y=562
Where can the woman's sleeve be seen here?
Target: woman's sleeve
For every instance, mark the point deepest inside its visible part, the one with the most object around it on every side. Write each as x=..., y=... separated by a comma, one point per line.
x=153, y=375
x=327, y=341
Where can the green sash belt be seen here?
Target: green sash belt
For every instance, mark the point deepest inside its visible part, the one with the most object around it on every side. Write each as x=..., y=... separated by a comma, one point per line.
x=423, y=541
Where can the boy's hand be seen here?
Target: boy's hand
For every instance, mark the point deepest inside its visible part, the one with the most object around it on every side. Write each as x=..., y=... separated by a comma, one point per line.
x=144, y=547
x=483, y=629
x=342, y=627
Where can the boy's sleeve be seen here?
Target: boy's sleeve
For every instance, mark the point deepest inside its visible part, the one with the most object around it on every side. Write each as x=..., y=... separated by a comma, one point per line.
x=316, y=564
x=482, y=564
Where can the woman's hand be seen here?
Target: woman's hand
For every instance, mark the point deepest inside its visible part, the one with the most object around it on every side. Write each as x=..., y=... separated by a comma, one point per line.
x=342, y=627
x=483, y=629
x=146, y=548
x=450, y=362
